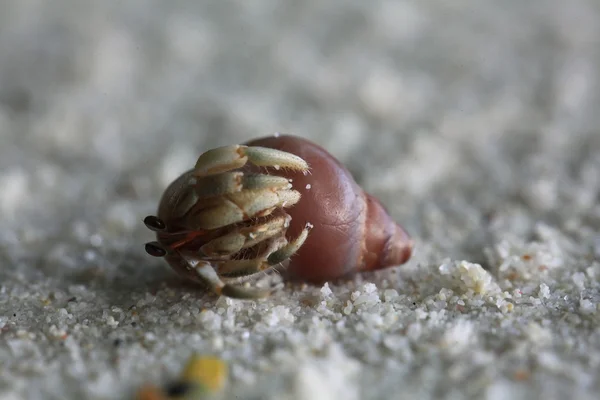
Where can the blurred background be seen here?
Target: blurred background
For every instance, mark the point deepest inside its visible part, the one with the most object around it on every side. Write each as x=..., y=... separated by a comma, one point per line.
x=452, y=112
x=106, y=102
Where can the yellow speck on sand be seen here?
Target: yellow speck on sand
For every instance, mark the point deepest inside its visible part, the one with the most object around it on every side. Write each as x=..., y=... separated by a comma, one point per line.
x=210, y=372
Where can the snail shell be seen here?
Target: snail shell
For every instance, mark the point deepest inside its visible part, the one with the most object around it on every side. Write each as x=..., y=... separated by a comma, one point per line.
x=353, y=231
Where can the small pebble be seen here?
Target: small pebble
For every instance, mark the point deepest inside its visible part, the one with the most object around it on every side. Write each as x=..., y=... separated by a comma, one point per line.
x=210, y=372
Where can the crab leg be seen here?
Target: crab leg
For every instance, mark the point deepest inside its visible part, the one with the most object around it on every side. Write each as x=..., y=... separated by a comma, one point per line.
x=227, y=158
x=239, y=268
x=241, y=206
x=291, y=248
x=267, y=157
x=207, y=275
x=232, y=182
x=245, y=237
x=204, y=190
x=282, y=251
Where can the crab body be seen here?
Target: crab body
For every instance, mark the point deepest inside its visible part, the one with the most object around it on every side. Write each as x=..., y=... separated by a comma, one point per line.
x=227, y=218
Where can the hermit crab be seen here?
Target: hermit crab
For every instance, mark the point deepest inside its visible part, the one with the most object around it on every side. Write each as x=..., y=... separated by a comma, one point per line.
x=275, y=201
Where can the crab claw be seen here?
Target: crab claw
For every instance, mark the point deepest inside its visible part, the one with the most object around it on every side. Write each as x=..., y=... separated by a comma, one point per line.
x=227, y=158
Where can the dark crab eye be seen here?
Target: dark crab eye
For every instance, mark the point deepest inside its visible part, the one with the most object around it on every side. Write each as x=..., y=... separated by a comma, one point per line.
x=155, y=250
x=154, y=223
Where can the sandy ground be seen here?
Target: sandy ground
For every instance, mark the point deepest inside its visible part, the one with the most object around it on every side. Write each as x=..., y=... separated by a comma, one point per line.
x=475, y=122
